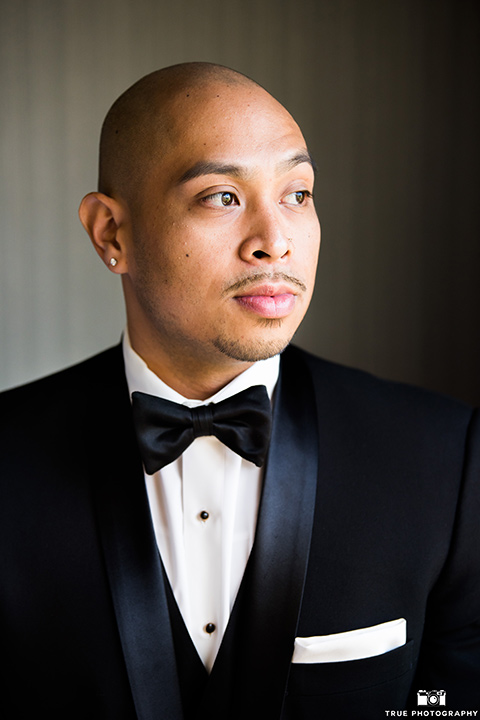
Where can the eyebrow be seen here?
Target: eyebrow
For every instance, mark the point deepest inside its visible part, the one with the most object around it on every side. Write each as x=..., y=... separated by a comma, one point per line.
x=303, y=156
x=206, y=167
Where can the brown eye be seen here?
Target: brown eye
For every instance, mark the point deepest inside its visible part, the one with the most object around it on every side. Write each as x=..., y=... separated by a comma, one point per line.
x=227, y=198
x=221, y=199
x=298, y=198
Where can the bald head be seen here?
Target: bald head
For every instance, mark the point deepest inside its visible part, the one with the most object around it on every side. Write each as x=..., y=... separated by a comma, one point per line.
x=206, y=192
x=142, y=121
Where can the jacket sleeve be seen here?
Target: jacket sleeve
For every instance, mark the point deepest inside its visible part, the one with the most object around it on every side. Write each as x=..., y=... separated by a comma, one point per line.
x=450, y=652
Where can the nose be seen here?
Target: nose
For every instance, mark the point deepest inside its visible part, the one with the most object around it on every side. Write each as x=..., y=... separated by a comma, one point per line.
x=265, y=240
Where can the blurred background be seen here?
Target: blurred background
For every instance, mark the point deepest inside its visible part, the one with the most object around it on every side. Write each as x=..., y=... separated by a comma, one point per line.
x=387, y=93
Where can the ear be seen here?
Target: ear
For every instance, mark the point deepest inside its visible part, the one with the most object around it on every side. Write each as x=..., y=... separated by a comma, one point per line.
x=104, y=220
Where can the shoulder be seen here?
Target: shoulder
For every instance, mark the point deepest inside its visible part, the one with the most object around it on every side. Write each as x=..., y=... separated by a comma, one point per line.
x=54, y=399
x=52, y=428
x=75, y=376
x=350, y=394
x=391, y=433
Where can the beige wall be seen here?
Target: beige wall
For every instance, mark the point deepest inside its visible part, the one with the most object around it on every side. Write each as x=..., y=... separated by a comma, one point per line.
x=387, y=94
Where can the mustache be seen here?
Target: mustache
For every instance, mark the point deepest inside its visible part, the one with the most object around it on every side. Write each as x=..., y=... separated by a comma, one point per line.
x=249, y=280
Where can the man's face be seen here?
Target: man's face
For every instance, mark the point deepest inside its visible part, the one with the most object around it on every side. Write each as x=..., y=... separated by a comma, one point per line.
x=223, y=243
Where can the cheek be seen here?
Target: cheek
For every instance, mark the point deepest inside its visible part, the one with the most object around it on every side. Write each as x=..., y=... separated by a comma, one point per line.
x=179, y=257
x=183, y=243
x=185, y=278
x=316, y=241
x=170, y=257
x=310, y=252
x=201, y=261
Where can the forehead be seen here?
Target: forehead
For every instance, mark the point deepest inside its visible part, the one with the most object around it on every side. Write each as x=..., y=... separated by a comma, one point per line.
x=237, y=124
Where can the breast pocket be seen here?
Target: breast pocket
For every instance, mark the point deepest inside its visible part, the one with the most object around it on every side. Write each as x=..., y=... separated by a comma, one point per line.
x=355, y=689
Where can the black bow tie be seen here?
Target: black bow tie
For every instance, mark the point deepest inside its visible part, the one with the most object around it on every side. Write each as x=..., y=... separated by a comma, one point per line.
x=165, y=429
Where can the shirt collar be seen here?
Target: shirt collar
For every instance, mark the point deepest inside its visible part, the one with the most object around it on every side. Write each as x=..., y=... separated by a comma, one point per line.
x=140, y=378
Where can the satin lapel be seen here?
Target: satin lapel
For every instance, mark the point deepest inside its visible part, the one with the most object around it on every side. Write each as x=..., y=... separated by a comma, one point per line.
x=131, y=557
x=254, y=660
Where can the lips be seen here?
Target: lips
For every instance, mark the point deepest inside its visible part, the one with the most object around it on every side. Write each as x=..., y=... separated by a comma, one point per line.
x=268, y=301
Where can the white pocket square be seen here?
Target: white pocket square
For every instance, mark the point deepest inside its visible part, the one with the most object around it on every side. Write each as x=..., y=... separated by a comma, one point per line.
x=353, y=645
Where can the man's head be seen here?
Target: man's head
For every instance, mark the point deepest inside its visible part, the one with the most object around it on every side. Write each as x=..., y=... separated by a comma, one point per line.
x=140, y=124
x=205, y=204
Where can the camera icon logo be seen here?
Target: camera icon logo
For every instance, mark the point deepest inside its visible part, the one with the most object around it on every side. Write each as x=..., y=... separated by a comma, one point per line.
x=431, y=698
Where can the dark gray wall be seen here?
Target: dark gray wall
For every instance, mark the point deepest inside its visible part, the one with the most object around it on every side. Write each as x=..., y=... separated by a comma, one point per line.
x=387, y=94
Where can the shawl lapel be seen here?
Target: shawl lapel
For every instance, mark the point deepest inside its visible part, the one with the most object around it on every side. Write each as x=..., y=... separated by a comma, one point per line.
x=254, y=659
x=131, y=557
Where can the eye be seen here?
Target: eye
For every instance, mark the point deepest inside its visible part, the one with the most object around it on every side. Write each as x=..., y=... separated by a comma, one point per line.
x=221, y=199
x=299, y=197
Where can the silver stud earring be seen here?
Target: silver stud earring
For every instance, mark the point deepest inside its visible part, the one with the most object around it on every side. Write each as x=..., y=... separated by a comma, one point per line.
x=113, y=262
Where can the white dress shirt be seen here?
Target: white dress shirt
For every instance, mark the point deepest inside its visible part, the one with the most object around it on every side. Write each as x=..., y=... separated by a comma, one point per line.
x=204, y=509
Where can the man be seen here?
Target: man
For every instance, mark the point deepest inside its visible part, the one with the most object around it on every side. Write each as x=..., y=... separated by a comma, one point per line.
x=157, y=562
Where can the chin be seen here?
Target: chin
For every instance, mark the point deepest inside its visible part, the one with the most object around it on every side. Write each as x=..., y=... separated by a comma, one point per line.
x=251, y=350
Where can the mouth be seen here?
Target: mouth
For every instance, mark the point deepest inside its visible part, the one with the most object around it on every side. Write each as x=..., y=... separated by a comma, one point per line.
x=269, y=301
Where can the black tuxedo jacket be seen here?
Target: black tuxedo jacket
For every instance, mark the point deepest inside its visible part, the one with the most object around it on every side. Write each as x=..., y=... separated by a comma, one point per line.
x=370, y=512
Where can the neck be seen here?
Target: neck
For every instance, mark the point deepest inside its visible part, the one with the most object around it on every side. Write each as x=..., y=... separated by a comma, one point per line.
x=187, y=374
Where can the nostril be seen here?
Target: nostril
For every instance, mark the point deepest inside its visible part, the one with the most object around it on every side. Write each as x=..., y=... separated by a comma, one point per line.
x=260, y=254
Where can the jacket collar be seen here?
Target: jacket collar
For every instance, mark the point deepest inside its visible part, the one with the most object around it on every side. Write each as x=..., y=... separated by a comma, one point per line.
x=131, y=557
x=254, y=659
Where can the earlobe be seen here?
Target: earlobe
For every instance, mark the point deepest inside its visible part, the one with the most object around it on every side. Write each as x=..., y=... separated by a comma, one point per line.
x=102, y=218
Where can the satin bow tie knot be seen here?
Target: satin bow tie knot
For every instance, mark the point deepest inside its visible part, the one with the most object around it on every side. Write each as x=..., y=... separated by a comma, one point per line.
x=202, y=418
x=165, y=429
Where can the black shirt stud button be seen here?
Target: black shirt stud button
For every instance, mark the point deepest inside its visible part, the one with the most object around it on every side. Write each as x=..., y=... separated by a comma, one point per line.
x=204, y=515
x=210, y=628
